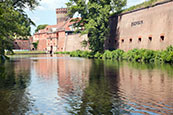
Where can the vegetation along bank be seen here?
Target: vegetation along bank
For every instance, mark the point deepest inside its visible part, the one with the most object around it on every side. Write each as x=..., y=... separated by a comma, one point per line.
x=135, y=55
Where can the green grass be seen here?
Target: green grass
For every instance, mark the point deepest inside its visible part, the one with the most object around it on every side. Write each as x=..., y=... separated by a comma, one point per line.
x=142, y=5
x=135, y=55
x=62, y=52
x=26, y=52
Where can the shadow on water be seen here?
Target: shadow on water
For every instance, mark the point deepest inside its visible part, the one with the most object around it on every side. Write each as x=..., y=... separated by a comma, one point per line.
x=125, y=88
x=78, y=86
x=13, y=82
x=101, y=96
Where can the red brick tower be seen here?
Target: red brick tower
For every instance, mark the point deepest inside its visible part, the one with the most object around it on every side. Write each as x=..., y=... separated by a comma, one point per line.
x=61, y=14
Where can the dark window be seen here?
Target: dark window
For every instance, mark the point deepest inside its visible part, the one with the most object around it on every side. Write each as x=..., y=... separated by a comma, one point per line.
x=130, y=39
x=122, y=40
x=162, y=38
x=139, y=39
x=150, y=38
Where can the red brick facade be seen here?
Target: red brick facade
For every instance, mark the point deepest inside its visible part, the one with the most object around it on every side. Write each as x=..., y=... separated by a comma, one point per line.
x=55, y=37
x=22, y=44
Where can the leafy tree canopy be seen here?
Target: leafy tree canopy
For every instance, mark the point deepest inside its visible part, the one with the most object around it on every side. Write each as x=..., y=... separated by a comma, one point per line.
x=14, y=21
x=95, y=18
x=39, y=27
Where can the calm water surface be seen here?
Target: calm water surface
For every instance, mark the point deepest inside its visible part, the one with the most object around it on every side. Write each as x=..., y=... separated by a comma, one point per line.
x=63, y=86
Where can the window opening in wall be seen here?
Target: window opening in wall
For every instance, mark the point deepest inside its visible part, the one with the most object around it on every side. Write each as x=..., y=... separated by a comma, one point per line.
x=130, y=39
x=139, y=39
x=122, y=40
x=162, y=38
x=150, y=38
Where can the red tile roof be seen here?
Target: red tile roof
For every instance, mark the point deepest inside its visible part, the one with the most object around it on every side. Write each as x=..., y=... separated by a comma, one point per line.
x=59, y=27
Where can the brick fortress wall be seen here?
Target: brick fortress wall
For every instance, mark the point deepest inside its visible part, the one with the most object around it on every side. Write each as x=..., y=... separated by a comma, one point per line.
x=22, y=44
x=149, y=28
x=74, y=42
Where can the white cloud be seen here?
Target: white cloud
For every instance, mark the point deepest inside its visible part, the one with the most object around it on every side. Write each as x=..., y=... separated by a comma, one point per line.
x=52, y=4
x=35, y=19
x=41, y=8
x=134, y=2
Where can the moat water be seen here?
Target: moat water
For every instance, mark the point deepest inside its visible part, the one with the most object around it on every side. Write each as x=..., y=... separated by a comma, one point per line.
x=61, y=85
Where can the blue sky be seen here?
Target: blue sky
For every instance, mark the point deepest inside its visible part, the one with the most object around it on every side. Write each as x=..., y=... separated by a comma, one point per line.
x=45, y=12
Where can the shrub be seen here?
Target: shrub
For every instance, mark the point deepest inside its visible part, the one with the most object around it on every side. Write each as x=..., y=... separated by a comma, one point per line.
x=117, y=54
x=98, y=55
x=107, y=55
x=169, y=49
x=135, y=55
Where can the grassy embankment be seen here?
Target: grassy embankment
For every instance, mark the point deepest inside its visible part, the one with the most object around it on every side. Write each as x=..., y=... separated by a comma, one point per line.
x=25, y=52
x=142, y=5
x=135, y=55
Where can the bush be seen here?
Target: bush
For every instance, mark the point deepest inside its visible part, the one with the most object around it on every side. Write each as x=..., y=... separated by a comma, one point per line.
x=169, y=49
x=98, y=55
x=107, y=55
x=135, y=55
x=144, y=55
x=62, y=52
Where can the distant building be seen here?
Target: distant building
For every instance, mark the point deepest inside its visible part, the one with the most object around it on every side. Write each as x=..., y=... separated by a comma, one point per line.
x=60, y=37
x=21, y=43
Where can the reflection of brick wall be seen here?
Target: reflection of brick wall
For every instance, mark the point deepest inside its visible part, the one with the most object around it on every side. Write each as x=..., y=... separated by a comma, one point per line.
x=22, y=44
x=144, y=28
x=145, y=86
x=46, y=67
x=22, y=66
x=72, y=74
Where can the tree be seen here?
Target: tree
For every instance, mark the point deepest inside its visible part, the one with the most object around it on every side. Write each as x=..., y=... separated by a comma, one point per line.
x=95, y=18
x=39, y=27
x=35, y=44
x=14, y=21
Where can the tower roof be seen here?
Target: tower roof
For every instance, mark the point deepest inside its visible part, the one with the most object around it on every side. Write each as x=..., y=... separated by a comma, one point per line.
x=61, y=10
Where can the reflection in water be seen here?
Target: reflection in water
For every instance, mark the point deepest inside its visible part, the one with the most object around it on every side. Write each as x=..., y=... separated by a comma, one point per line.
x=72, y=75
x=101, y=96
x=148, y=89
x=13, y=82
x=64, y=85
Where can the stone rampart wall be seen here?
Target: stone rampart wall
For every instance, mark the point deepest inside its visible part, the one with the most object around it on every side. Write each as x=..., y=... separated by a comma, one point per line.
x=149, y=28
x=22, y=44
x=74, y=42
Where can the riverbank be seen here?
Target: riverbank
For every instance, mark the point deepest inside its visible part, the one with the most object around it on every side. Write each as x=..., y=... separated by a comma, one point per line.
x=26, y=52
x=3, y=58
x=135, y=55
